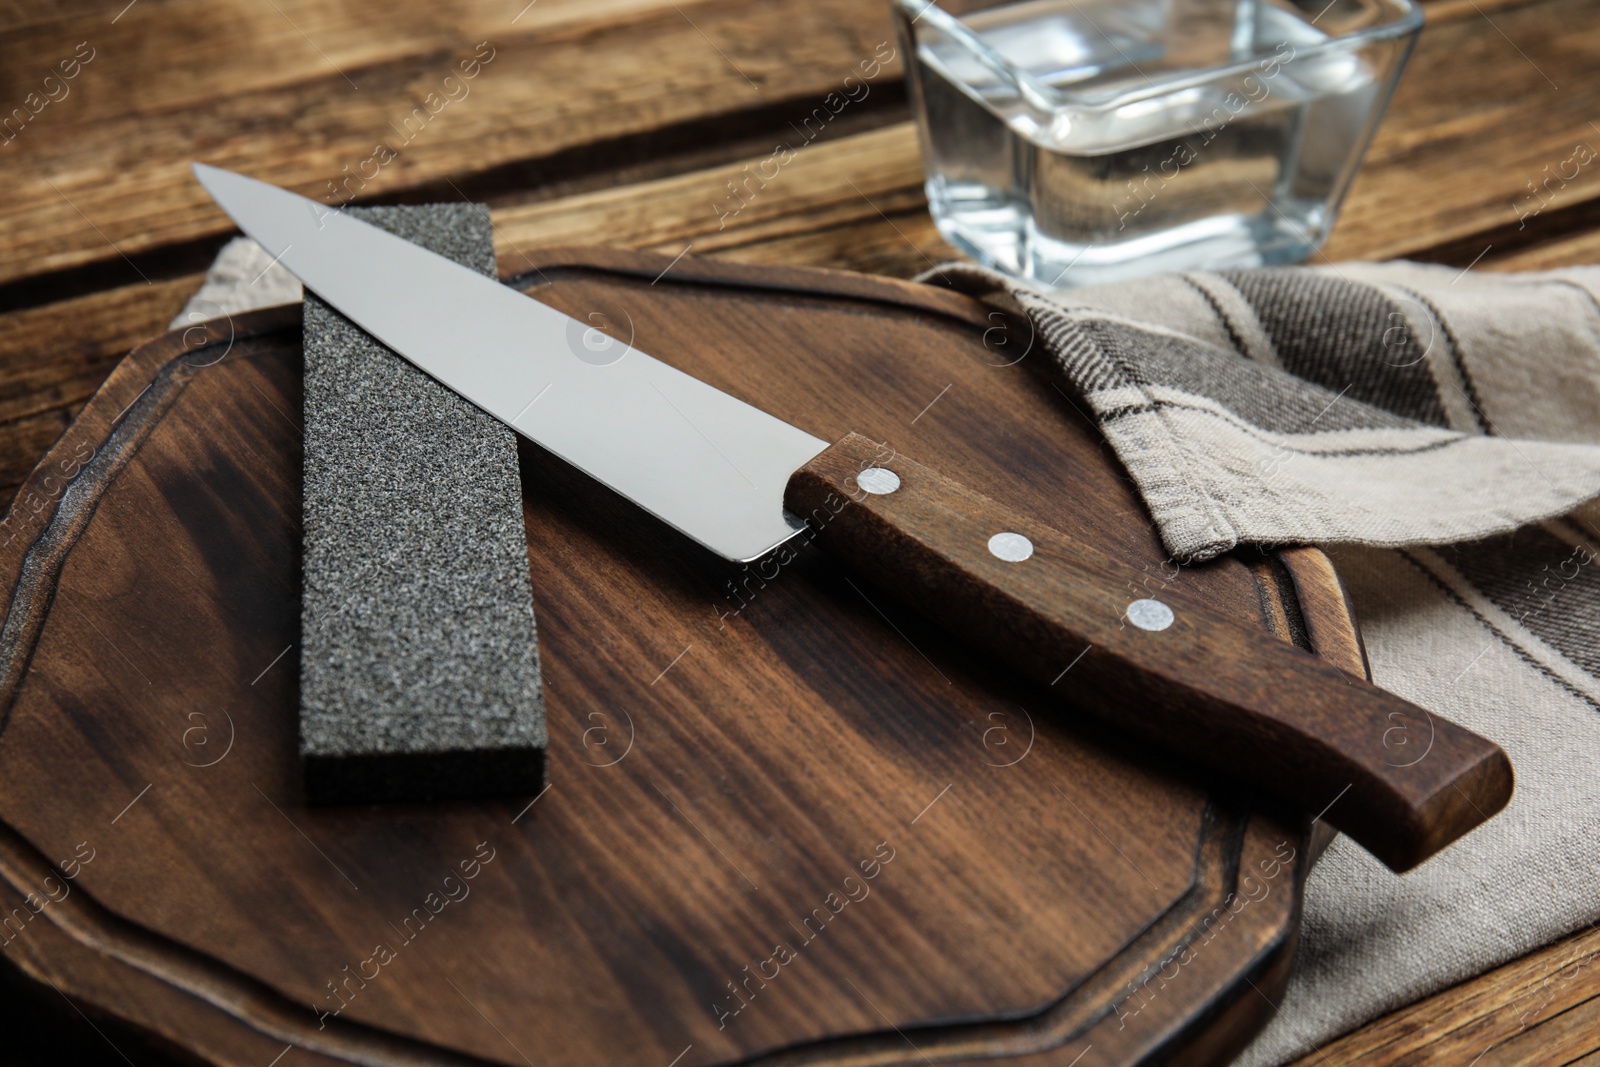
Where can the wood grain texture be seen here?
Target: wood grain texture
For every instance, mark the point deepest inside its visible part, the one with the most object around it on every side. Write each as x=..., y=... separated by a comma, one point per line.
x=1541, y=1009
x=1467, y=151
x=1458, y=156
x=838, y=182
x=321, y=93
x=1579, y=247
x=1472, y=127
x=728, y=748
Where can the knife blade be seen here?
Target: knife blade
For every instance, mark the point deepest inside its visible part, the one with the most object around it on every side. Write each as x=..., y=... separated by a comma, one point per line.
x=708, y=464
x=741, y=482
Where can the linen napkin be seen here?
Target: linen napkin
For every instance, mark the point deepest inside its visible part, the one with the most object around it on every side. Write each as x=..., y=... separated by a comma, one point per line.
x=1366, y=407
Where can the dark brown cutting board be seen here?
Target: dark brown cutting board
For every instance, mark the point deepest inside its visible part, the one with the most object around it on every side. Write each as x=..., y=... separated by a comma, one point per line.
x=922, y=861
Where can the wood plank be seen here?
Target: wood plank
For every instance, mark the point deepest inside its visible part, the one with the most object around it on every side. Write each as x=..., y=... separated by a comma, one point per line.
x=902, y=244
x=1439, y=115
x=1440, y=10
x=289, y=41
x=1459, y=150
x=1566, y=1036
x=1510, y=1012
x=1565, y=250
x=96, y=183
x=829, y=183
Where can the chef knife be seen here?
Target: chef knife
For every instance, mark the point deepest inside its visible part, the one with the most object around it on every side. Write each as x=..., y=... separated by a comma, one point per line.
x=1169, y=668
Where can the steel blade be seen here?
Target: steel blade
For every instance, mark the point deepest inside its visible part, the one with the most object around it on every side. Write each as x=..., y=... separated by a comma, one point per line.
x=703, y=461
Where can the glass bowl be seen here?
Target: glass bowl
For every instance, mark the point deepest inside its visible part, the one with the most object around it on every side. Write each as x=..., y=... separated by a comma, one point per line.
x=1081, y=141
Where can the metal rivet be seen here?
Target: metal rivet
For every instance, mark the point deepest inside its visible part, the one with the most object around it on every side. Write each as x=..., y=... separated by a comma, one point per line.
x=879, y=481
x=1150, y=615
x=1011, y=547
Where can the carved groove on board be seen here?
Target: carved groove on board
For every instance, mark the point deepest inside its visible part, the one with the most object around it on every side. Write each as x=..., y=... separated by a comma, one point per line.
x=255, y=1004
x=267, y=1011
x=75, y=509
x=865, y=289
x=263, y=1009
x=1215, y=877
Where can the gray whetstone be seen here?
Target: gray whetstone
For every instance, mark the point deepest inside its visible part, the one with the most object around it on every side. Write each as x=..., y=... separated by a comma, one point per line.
x=419, y=665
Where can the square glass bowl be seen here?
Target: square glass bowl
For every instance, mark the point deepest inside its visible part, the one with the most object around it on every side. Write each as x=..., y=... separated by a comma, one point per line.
x=1082, y=141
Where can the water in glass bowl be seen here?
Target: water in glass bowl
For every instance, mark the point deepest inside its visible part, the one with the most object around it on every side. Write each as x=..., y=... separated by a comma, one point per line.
x=1143, y=136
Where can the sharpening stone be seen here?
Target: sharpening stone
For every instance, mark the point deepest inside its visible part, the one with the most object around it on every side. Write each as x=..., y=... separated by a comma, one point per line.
x=419, y=664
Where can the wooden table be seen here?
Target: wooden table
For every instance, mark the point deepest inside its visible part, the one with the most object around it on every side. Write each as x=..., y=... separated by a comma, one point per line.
x=629, y=123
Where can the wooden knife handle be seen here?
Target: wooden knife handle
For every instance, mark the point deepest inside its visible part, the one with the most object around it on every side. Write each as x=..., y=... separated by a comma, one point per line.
x=1400, y=781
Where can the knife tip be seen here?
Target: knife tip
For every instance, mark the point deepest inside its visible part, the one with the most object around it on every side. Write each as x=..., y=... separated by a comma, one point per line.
x=214, y=178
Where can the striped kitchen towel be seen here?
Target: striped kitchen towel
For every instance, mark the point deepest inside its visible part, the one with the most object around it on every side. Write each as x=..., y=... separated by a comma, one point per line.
x=1439, y=432
x=1380, y=404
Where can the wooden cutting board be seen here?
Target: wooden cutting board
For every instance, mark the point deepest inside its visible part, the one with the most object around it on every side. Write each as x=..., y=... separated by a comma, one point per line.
x=787, y=822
